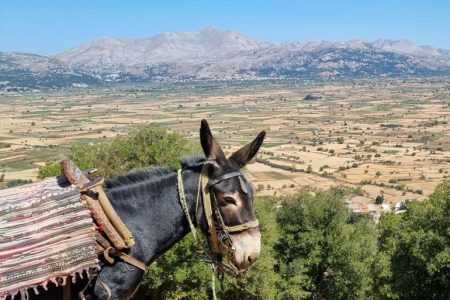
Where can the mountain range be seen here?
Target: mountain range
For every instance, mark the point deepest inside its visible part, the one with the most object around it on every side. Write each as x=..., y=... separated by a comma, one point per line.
x=216, y=54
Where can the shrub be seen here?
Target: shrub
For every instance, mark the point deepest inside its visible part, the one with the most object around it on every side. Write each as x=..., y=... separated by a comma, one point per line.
x=48, y=170
x=379, y=199
x=146, y=145
x=323, y=251
x=18, y=182
x=415, y=249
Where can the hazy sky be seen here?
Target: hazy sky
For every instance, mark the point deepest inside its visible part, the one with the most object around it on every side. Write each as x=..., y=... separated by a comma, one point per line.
x=47, y=27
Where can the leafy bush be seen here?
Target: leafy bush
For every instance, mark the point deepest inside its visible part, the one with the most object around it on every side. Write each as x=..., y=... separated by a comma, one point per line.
x=5, y=145
x=322, y=252
x=48, y=170
x=17, y=182
x=414, y=257
x=146, y=145
x=379, y=199
x=310, y=97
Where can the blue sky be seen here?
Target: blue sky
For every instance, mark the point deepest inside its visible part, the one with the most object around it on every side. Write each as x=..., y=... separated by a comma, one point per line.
x=47, y=27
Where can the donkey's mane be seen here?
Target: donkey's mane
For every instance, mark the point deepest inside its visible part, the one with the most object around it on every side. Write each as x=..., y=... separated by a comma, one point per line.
x=152, y=174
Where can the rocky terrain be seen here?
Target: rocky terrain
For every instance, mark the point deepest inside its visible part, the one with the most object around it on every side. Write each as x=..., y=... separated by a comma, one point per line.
x=24, y=71
x=216, y=54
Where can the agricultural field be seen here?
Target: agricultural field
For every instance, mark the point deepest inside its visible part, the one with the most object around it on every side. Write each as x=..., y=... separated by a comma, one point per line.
x=385, y=137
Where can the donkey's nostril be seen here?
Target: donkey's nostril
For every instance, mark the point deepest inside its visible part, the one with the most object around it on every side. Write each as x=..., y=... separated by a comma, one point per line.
x=252, y=258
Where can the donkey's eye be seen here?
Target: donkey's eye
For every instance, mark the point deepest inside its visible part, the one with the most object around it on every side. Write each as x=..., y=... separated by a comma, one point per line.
x=230, y=200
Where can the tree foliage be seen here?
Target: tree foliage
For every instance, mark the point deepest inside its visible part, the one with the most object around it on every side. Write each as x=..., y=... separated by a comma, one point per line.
x=415, y=250
x=18, y=182
x=178, y=274
x=49, y=169
x=323, y=252
x=146, y=145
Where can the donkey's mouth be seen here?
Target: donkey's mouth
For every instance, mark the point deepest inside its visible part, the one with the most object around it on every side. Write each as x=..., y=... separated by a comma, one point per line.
x=247, y=247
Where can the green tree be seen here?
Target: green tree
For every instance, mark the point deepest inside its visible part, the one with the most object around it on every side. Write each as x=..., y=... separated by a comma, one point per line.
x=323, y=250
x=18, y=182
x=48, y=170
x=146, y=145
x=379, y=199
x=415, y=250
x=178, y=274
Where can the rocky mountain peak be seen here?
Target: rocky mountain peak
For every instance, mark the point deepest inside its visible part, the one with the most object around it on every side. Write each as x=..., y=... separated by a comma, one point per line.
x=217, y=54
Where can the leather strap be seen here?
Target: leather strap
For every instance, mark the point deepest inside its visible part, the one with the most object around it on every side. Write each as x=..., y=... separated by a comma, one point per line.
x=106, y=287
x=242, y=227
x=213, y=237
x=224, y=177
x=111, y=252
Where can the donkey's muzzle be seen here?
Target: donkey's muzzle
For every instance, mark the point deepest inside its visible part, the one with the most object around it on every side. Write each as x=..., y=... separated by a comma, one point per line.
x=247, y=247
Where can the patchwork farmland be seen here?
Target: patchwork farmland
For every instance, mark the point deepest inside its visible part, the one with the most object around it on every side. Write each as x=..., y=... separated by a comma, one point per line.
x=382, y=137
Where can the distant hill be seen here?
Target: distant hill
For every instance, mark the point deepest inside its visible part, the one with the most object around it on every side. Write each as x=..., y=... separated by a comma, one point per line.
x=24, y=71
x=217, y=54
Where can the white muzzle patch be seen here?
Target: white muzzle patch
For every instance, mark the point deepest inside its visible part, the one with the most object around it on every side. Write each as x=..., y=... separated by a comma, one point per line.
x=247, y=247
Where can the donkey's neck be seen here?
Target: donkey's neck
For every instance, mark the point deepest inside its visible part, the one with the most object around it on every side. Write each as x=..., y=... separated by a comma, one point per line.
x=152, y=212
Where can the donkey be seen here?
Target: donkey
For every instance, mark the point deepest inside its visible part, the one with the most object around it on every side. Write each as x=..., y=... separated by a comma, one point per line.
x=148, y=203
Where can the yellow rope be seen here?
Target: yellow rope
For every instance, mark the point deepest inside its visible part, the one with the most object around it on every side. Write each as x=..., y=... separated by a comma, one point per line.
x=184, y=204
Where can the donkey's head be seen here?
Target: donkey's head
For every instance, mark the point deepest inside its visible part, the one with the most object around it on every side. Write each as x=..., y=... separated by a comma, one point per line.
x=233, y=196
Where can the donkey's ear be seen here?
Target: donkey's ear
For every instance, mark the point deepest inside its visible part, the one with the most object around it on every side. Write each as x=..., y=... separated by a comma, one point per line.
x=211, y=148
x=246, y=153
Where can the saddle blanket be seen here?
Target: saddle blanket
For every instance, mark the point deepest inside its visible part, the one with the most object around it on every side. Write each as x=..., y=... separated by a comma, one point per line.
x=46, y=235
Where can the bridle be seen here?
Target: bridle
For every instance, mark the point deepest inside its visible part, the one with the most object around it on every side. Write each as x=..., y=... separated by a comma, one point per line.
x=219, y=239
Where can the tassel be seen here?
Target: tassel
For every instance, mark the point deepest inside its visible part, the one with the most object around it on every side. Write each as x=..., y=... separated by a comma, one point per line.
x=35, y=288
x=13, y=294
x=54, y=281
x=24, y=294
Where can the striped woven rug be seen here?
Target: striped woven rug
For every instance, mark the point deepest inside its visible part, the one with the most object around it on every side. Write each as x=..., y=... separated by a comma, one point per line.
x=46, y=235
